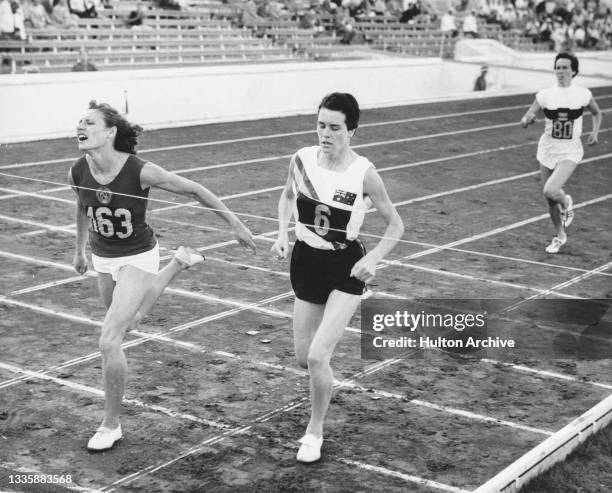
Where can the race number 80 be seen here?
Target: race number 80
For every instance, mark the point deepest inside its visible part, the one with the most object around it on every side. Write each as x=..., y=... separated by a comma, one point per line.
x=562, y=130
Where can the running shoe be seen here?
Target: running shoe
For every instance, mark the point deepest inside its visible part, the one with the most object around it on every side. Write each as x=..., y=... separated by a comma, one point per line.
x=104, y=438
x=555, y=245
x=188, y=257
x=310, y=450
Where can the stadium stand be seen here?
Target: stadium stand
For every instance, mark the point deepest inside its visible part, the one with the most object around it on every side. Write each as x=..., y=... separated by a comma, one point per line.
x=210, y=31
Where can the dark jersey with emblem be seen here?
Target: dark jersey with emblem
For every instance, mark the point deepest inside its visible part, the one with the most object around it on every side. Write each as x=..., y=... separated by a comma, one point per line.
x=116, y=211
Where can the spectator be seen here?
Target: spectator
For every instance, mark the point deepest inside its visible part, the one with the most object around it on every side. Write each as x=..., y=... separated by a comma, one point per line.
x=532, y=28
x=276, y=10
x=412, y=9
x=7, y=20
x=508, y=17
x=136, y=18
x=559, y=35
x=592, y=36
x=35, y=16
x=470, y=26
x=62, y=17
x=328, y=7
x=394, y=8
x=343, y=24
x=481, y=81
x=83, y=8
x=380, y=7
x=169, y=4
x=83, y=64
x=447, y=24
x=249, y=13
x=20, y=30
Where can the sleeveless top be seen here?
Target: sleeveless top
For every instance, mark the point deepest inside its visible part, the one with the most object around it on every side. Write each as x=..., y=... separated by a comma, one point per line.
x=563, y=107
x=116, y=211
x=330, y=205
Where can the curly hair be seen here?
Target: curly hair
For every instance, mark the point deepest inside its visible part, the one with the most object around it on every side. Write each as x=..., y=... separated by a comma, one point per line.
x=126, y=139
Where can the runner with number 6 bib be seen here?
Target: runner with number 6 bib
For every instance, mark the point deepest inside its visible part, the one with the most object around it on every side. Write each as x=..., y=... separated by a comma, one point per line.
x=560, y=148
x=112, y=186
x=329, y=190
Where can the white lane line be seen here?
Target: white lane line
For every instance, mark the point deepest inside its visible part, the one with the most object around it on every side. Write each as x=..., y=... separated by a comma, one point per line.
x=501, y=229
x=574, y=280
x=22, y=193
x=379, y=169
x=225, y=197
x=547, y=374
x=284, y=134
x=270, y=189
x=561, y=285
x=397, y=204
x=382, y=393
x=37, y=224
x=100, y=393
x=135, y=342
x=405, y=477
x=218, y=438
x=515, y=259
x=49, y=311
x=299, y=132
x=478, y=279
x=46, y=285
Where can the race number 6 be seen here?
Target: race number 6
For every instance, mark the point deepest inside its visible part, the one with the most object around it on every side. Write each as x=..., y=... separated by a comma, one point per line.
x=321, y=222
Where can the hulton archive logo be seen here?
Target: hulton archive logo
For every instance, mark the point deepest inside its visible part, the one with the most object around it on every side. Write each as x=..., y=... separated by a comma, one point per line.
x=104, y=195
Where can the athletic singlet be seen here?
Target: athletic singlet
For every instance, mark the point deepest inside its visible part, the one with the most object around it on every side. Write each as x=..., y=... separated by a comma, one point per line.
x=117, y=223
x=563, y=107
x=330, y=206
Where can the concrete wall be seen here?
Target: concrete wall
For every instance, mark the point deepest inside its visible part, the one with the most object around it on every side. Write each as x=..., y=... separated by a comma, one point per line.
x=40, y=106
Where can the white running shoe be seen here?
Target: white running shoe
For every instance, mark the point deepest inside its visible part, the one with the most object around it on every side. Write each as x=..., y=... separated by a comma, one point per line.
x=310, y=450
x=555, y=245
x=104, y=438
x=567, y=213
x=188, y=257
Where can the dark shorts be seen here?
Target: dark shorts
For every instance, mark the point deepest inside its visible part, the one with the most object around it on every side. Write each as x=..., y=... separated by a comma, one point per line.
x=316, y=273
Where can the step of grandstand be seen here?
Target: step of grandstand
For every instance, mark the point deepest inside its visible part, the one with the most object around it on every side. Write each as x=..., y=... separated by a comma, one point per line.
x=412, y=48
x=263, y=24
x=126, y=33
x=154, y=22
x=336, y=52
x=58, y=61
x=121, y=13
x=283, y=34
x=125, y=45
x=407, y=34
x=392, y=23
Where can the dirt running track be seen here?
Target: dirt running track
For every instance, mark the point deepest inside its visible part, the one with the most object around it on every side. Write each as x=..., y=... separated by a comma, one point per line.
x=211, y=408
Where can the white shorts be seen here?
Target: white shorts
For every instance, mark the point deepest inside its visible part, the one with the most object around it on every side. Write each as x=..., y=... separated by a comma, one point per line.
x=147, y=261
x=551, y=151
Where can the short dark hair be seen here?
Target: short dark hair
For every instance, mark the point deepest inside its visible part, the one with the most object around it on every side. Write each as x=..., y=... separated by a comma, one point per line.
x=345, y=103
x=573, y=61
x=126, y=139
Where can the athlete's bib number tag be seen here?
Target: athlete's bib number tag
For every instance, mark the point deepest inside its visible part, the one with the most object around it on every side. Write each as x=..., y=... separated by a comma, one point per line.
x=326, y=221
x=562, y=129
x=321, y=221
x=111, y=223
